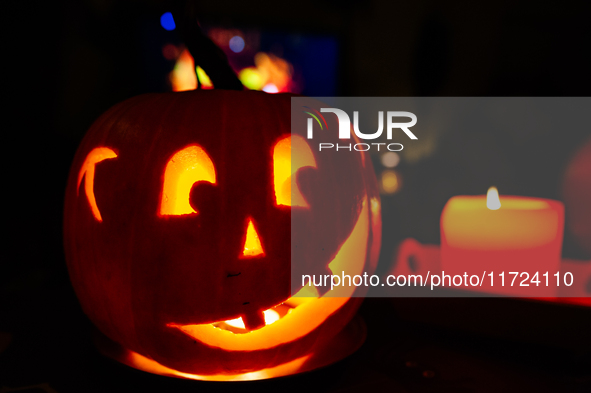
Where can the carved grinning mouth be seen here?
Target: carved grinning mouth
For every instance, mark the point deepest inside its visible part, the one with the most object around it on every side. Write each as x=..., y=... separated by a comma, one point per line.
x=298, y=315
x=267, y=317
x=249, y=323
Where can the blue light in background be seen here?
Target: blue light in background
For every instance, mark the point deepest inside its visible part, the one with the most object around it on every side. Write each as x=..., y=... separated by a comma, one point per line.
x=236, y=44
x=167, y=21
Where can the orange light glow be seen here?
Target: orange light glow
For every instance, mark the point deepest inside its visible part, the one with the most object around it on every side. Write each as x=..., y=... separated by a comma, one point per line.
x=376, y=209
x=304, y=295
x=183, y=77
x=286, y=162
x=299, y=322
x=277, y=70
x=390, y=181
x=492, y=199
x=189, y=165
x=271, y=74
x=94, y=157
x=143, y=363
x=252, y=244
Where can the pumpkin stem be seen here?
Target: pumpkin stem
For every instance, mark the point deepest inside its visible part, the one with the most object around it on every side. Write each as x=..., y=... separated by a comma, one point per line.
x=205, y=52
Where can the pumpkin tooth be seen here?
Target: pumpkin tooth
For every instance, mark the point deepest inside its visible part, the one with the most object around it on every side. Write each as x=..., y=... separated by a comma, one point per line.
x=254, y=320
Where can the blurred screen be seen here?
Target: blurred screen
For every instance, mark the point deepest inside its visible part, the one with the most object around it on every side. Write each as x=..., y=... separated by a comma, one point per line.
x=268, y=60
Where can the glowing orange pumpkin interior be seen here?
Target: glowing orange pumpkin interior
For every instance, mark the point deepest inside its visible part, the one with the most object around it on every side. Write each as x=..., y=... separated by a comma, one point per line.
x=192, y=164
x=87, y=171
x=286, y=164
x=185, y=168
x=252, y=244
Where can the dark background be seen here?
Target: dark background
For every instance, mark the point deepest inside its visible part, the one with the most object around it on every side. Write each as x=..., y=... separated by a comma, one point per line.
x=65, y=63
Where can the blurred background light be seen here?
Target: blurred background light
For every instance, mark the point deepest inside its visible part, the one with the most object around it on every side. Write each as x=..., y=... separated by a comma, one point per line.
x=204, y=79
x=271, y=74
x=183, y=77
x=390, y=182
x=167, y=21
x=270, y=88
x=274, y=62
x=390, y=159
x=236, y=44
x=170, y=52
x=251, y=78
x=275, y=70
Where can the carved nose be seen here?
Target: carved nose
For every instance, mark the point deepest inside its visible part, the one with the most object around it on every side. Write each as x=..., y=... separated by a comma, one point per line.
x=252, y=243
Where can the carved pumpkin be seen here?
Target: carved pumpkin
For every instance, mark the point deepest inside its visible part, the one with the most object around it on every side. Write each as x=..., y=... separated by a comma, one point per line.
x=178, y=231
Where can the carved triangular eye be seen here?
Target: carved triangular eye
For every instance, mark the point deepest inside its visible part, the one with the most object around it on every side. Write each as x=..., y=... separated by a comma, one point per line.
x=290, y=154
x=185, y=168
x=87, y=171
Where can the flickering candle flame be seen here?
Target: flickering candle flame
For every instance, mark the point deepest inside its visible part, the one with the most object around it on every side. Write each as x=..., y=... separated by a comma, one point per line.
x=492, y=199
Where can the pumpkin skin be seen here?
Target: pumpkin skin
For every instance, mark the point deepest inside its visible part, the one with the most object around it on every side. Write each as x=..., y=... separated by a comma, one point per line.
x=137, y=272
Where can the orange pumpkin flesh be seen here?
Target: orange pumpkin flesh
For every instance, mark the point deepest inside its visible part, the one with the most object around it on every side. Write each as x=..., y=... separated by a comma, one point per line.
x=177, y=231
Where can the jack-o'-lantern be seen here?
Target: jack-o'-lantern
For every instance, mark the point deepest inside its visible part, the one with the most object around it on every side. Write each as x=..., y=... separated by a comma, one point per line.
x=179, y=232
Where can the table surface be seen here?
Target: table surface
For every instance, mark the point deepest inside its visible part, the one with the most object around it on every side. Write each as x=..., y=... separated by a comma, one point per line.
x=46, y=346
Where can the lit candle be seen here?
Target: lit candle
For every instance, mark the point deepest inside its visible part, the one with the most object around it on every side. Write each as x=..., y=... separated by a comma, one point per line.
x=491, y=234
